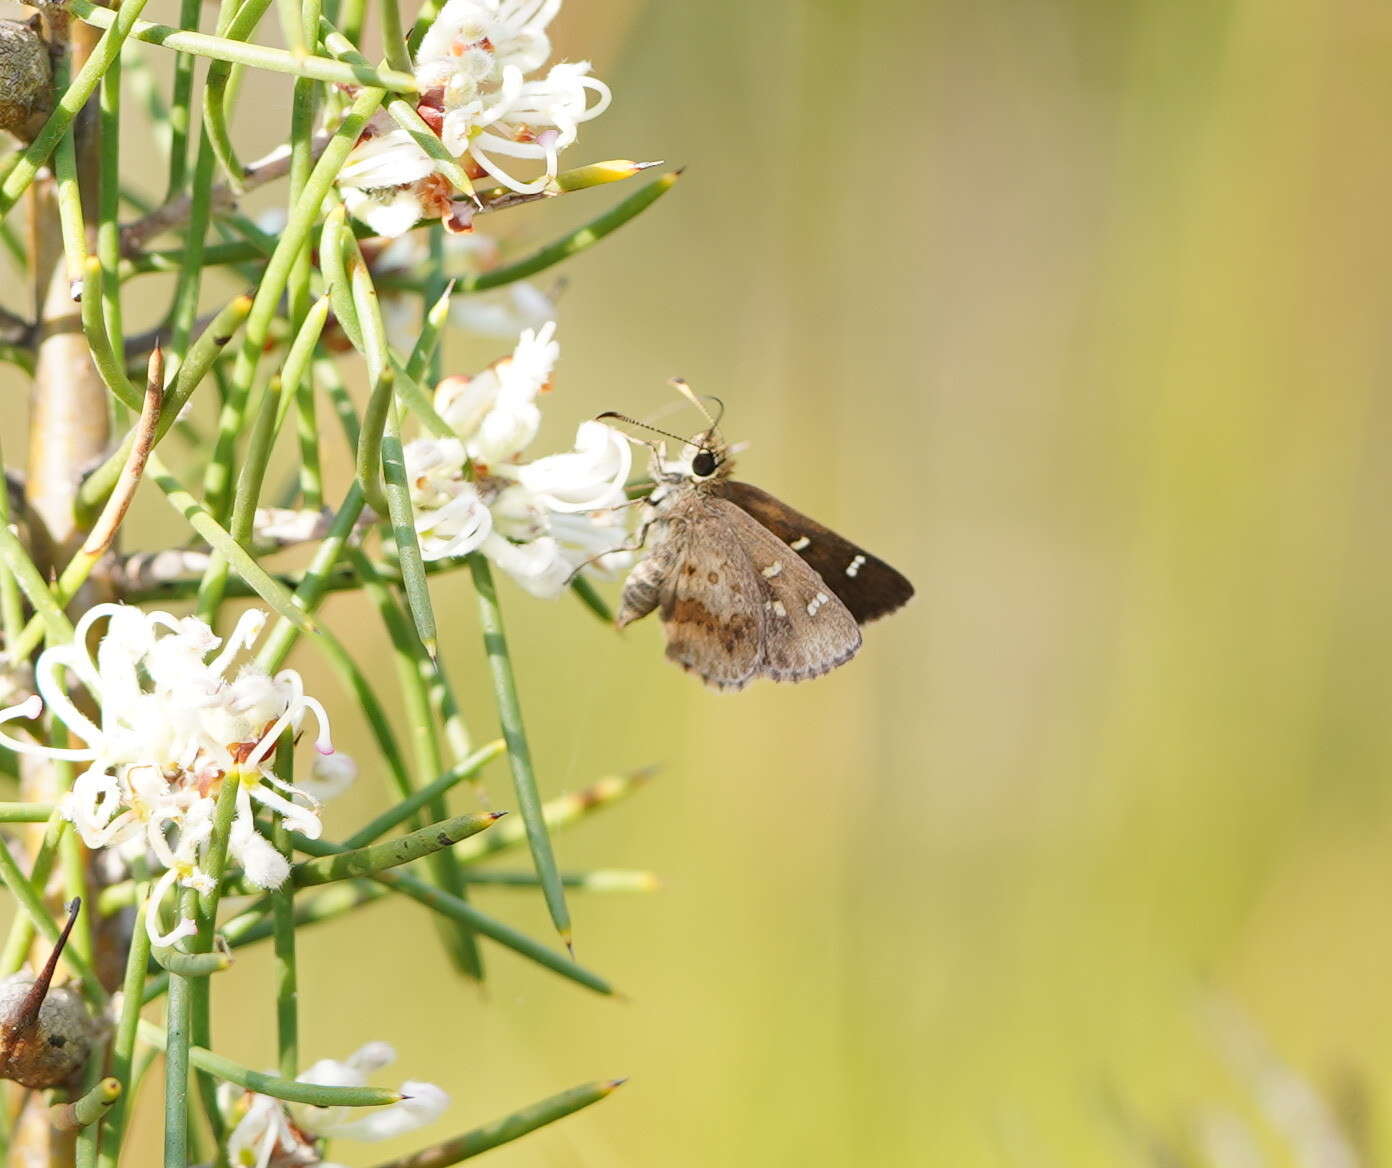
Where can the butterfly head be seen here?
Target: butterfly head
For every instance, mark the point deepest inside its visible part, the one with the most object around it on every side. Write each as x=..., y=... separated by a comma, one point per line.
x=706, y=458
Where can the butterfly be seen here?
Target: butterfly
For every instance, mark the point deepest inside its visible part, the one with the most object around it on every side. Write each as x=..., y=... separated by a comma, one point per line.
x=748, y=587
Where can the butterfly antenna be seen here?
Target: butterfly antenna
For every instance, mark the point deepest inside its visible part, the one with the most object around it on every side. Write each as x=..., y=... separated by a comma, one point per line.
x=680, y=385
x=635, y=422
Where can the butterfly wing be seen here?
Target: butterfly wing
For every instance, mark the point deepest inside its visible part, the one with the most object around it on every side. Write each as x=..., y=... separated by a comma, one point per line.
x=807, y=630
x=736, y=604
x=712, y=608
x=865, y=584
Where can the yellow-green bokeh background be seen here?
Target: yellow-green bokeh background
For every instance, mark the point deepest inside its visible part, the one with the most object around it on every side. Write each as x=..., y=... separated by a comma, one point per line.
x=1079, y=313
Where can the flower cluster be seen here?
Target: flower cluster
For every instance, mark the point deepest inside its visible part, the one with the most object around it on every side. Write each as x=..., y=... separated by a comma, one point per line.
x=478, y=69
x=539, y=521
x=173, y=726
x=267, y=1133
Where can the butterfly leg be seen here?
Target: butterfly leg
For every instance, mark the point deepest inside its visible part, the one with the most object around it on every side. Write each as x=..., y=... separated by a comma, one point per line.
x=631, y=545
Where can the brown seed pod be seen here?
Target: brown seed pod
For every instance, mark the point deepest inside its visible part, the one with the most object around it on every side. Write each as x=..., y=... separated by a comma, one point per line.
x=26, y=81
x=46, y=1032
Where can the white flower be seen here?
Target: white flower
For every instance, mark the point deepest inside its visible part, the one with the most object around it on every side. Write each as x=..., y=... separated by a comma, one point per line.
x=539, y=521
x=174, y=725
x=476, y=57
x=391, y=184
x=272, y=1134
x=585, y=479
x=495, y=412
x=475, y=92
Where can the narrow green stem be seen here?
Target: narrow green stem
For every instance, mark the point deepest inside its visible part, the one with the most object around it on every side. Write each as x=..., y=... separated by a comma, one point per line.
x=573, y=242
x=21, y=934
x=283, y=921
x=290, y=1090
x=109, y=206
x=222, y=49
x=507, y=1129
x=243, y=562
x=192, y=965
x=558, y=813
x=25, y=812
x=204, y=351
x=403, y=526
x=413, y=662
x=11, y=607
x=70, y=104
x=337, y=864
x=428, y=795
x=179, y=117
x=519, y=752
x=176, y=1070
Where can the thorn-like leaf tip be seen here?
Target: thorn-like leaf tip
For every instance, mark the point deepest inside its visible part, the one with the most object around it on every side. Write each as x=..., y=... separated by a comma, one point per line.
x=613, y=1084
x=496, y=815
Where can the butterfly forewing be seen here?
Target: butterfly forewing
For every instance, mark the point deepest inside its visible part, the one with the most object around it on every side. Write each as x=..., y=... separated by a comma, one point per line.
x=865, y=584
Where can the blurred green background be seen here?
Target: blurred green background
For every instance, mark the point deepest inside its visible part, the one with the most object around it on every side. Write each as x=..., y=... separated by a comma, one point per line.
x=1078, y=313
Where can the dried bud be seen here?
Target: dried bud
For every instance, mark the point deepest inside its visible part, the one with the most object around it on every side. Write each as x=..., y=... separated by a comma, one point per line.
x=26, y=82
x=46, y=1033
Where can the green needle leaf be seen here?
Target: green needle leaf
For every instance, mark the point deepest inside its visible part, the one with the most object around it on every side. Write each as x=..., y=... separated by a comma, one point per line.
x=336, y=864
x=507, y=1129
x=275, y=1086
x=519, y=752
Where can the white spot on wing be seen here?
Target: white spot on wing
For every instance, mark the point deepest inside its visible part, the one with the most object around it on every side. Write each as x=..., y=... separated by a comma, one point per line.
x=776, y=607
x=855, y=565
x=773, y=569
x=815, y=603
x=801, y=542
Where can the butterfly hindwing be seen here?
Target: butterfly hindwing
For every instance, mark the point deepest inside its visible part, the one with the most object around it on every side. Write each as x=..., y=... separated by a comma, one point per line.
x=807, y=630
x=865, y=584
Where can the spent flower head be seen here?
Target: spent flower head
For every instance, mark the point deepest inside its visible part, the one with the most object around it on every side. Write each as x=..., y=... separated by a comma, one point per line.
x=176, y=719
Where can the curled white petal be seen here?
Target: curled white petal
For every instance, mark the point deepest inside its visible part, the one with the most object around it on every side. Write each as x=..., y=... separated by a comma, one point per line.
x=539, y=566
x=424, y=1104
x=590, y=477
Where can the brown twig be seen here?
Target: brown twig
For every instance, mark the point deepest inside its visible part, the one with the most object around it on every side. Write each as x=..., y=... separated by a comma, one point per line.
x=15, y=330
x=176, y=212
x=119, y=501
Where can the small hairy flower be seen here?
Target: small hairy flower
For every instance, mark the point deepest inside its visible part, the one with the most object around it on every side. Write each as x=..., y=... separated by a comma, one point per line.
x=267, y=1133
x=175, y=723
x=539, y=521
x=482, y=92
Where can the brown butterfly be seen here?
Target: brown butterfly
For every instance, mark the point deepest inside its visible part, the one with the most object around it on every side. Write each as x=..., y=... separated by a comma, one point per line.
x=747, y=586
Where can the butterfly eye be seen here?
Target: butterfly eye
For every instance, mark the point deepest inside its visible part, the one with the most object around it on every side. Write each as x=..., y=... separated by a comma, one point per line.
x=703, y=465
